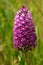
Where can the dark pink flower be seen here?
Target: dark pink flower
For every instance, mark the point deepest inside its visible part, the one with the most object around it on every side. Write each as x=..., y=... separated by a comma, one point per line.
x=24, y=36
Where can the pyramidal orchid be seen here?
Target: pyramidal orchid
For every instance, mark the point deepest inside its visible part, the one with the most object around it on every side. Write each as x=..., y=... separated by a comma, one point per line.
x=24, y=34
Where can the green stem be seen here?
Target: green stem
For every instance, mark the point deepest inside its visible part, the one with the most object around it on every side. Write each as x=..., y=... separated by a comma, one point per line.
x=26, y=58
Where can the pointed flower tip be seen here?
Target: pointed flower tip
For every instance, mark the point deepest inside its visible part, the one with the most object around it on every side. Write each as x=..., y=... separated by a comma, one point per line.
x=23, y=6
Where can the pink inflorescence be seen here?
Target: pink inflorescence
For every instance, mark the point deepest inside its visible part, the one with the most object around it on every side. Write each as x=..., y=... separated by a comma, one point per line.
x=24, y=36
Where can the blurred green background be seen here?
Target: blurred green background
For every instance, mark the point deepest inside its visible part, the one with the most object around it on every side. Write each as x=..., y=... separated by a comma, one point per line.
x=8, y=9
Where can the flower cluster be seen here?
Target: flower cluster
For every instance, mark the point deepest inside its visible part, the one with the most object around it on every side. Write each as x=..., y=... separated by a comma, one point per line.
x=24, y=36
